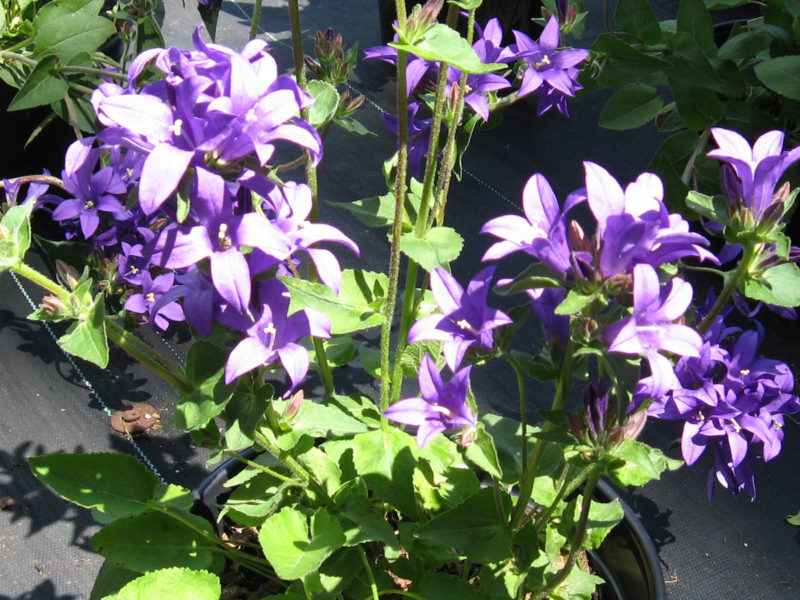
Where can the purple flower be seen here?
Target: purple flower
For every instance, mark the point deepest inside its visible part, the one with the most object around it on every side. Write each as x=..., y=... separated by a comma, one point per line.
x=419, y=134
x=634, y=225
x=541, y=233
x=288, y=208
x=213, y=106
x=93, y=192
x=146, y=301
x=652, y=326
x=543, y=304
x=219, y=234
x=728, y=399
x=420, y=73
x=273, y=336
x=757, y=169
x=465, y=321
x=443, y=405
x=550, y=72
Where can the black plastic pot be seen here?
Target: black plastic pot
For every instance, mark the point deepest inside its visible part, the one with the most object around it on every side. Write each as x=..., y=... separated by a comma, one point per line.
x=627, y=559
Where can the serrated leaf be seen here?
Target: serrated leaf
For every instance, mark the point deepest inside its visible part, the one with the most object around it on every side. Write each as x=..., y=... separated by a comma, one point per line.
x=781, y=75
x=87, y=338
x=630, y=107
x=386, y=460
x=574, y=302
x=779, y=285
x=474, y=528
x=358, y=306
x=154, y=540
x=639, y=463
x=15, y=235
x=110, y=579
x=439, y=247
x=289, y=547
x=441, y=43
x=68, y=27
x=483, y=454
x=115, y=484
x=173, y=584
x=43, y=86
x=326, y=102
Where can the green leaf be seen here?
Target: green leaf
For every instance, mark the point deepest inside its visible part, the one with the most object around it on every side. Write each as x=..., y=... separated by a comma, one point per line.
x=386, y=460
x=358, y=306
x=639, y=463
x=483, y=454
x=574, y=302
x=110, y=579
x=638, y=18
x=690, y=65
x=205, y=368
x=626, y=63
x=87, y=338
x=603, y=517
x=781, y=75
x=173, y=584
x=326, y=102
x=779, y=285
x=444, y=586
x=698, y=106
x=377, y=211
x=154, y=540
x=43, y=86
x=630, y=107
x=66, y=28
x=474, y=528
x=706, y=206
x=15, y=235
x=745, y=45
x=322, y=420
x=351, y=125
x=695, y=20
x=794, y=519
x=441, y=43
x=668, y=162
x=115, y=484
x=578, y=585
x=439, y=247
x=291, y=550
x=537, y=275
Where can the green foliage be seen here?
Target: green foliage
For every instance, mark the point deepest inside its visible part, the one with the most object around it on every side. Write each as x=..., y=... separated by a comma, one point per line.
x=437, y=249
x=779, y=285
x=15, y=235
x=440, y=43
x=172, y=584
x=358, y=305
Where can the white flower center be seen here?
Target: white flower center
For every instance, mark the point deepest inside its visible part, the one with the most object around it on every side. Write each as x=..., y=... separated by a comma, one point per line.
x=177, y=127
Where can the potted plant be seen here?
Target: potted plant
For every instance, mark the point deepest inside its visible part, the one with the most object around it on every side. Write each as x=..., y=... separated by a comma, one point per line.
x=185, y=199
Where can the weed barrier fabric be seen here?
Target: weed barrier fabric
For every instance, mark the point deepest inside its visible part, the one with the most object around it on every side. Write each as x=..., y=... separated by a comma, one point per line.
x=728, y=548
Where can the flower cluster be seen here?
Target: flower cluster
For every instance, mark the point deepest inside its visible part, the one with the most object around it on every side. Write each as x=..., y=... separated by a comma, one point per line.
x=196, y=246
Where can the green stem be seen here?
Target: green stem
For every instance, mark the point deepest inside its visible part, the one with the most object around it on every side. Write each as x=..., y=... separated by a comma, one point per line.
x=577, y=537
x=732, y=279
x=26, y=60
x=325, y=371
x=397, y=225
x=92, y=71
x=48, y=179
x=262, y=468
x=372, y=586
x=256, y=20
x=147, y=358
x=523, y=406
x=529, y=475
x=42, y=281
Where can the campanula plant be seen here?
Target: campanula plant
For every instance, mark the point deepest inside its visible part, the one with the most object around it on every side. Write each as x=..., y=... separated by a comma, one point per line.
x=183, y=200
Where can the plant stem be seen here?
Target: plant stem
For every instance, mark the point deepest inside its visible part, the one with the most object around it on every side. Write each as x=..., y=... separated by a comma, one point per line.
x=92, y=71
x=42, y=281
x=372, y=586
x=48, y=179
x=262, y=468
x=701, y=144
x=146, y=356
x=256, y=19
x=529, y=475
x=577, y=537
x=397, y=225
x=732, y=279
x=523, y=406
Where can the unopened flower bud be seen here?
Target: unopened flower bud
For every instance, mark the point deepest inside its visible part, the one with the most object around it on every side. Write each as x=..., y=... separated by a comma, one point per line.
x=468, y=437
x=313, y=66
x=731, y=188
x=634, y=424
x=54, y=306
x=67, y=275
x=421, y=18
x=294, y=404
x=771, y=216
x=577, y=238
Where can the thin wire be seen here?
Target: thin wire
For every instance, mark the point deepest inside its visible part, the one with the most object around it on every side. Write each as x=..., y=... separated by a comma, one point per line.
x=86, y=383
